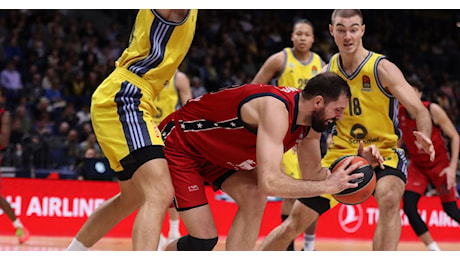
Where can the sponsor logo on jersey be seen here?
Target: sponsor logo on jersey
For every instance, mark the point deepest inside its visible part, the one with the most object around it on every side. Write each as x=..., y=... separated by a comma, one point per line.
x=366, y=83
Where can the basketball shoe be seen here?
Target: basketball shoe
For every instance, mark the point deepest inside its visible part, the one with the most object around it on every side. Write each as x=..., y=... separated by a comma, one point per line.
x=22, y=234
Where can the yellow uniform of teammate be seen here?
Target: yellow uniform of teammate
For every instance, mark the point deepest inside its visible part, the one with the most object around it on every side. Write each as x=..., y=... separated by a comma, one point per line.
x=129, y=92
x=296, y=73
x=370, y=119
x=122, y=113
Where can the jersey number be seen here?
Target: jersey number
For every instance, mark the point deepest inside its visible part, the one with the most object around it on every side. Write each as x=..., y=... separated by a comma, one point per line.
x=354, y=107
x=302, y=83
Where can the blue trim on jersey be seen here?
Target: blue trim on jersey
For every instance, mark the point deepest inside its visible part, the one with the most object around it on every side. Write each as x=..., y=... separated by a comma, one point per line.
x=160, y=33
x=156, y=14
x=356, y=72
x=247, y=99
x=300, y=61
x=376, y=74
x=294, y=125
x=402, y=162
x=131, y=118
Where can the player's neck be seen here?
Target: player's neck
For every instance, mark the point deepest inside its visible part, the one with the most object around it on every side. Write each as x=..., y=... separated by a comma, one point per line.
x=351, y=61
x=303, y=56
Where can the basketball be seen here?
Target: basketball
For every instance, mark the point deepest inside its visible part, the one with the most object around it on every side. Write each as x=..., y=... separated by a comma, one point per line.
x=366, y=184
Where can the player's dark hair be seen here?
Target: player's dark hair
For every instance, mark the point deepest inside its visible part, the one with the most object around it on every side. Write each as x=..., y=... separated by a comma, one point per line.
x=299, y=21
x=417, y=84
x=346, y=13
x=328, y=85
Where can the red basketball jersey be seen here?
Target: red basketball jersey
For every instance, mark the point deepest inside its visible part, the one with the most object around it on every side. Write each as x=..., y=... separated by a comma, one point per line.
x=210, y=126
x=416, y=153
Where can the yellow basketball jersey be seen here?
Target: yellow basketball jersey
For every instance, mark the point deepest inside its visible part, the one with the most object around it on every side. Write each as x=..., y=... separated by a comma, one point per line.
x=372, y=113
x=172, y=42
x=296, y=73
x=167, y=101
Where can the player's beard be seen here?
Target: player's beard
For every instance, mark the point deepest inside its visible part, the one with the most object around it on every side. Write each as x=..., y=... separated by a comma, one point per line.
x=318, y=121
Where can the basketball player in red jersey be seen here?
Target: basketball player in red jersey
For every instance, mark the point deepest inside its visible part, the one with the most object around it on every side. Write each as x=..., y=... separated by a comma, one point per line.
x=5, y=129
x=234, y=139
x=421, y=171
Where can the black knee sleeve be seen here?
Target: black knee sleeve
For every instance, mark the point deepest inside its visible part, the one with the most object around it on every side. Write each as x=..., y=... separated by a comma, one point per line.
x=189, y=243
x=410, y=201
x=452, y=210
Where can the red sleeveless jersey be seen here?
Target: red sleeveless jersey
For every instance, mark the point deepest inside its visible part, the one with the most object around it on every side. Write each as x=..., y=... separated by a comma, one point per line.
x=416, y=153
x=210, y=127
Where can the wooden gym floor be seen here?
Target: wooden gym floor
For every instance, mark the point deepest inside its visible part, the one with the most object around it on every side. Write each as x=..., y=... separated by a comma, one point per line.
x=44, y=243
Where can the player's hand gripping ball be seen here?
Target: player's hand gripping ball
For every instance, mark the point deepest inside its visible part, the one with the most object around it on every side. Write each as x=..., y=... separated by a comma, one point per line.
x=366, y=184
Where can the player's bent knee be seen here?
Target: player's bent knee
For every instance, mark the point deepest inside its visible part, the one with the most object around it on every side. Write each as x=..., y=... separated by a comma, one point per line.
x=452, y=210
x=189, y=243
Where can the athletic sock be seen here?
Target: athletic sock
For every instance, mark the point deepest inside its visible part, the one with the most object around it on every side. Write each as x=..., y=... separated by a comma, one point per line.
x=433, y=247
x=17, y=223
x=174, y=226
x=308, y=242
x=76, y=245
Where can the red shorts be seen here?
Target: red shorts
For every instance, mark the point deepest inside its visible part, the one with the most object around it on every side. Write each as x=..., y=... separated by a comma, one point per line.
x=419, y=177
x=189, y=172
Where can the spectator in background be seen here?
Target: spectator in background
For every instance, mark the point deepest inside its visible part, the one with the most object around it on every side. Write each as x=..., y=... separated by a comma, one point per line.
x=83, y=115
x=48, y=78
x=10, y=79
x=197, y=88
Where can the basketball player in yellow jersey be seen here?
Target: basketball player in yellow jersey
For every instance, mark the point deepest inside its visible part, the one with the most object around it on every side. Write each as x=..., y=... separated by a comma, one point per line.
x=371, y=118
x=172, y=97
x=292, y=67
x=122, y=113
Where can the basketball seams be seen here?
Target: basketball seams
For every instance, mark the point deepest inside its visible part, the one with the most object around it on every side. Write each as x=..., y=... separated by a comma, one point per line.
x=352, y=196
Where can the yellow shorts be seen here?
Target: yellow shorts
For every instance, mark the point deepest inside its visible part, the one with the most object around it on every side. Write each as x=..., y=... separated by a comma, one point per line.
x=122, y=114
x=291, y=164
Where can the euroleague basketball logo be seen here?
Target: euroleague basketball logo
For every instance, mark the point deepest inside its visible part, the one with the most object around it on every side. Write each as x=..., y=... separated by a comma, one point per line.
x=350, y=217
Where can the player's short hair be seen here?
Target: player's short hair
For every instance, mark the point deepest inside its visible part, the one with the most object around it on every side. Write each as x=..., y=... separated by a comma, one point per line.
x=329, y=85
x=417, y=84
x=346, y=13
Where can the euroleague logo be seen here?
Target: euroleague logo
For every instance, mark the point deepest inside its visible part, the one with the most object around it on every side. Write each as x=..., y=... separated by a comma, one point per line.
x=350, y=217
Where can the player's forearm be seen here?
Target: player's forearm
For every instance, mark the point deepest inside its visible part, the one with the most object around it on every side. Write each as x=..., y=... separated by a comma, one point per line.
x=454, y=151
x=287, y=187
x=424, y=123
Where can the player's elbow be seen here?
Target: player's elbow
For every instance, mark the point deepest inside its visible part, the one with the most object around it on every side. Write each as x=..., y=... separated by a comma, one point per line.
x=268, y=185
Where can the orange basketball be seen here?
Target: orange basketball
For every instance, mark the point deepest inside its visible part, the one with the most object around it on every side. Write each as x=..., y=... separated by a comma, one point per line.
x=366, y=184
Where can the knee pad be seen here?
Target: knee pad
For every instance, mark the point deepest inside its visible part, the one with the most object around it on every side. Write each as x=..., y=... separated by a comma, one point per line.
x=410, y=201
x=452, y=210
x=189, y=243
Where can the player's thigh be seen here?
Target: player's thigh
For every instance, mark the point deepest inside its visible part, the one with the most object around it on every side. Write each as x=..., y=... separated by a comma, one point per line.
x=242, y=187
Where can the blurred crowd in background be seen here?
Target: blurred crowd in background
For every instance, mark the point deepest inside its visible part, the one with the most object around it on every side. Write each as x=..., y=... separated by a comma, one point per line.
x=51, y=61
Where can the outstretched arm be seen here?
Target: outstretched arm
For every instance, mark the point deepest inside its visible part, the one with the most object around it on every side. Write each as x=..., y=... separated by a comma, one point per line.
x=393, y=80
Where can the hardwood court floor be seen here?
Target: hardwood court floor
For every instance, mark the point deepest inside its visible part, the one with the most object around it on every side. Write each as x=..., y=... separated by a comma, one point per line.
x=45, y=243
